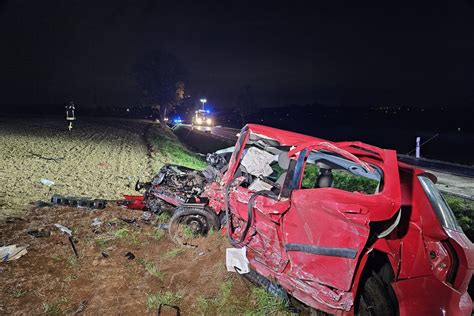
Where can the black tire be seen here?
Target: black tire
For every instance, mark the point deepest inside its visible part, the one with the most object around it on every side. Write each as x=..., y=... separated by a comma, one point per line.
x=374, y=299
x=199, y=219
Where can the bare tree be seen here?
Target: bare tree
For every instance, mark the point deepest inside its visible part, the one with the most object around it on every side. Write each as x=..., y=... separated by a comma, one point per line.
x=161, y=78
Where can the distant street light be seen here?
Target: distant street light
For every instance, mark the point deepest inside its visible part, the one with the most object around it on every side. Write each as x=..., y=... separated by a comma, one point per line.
x=203, y=102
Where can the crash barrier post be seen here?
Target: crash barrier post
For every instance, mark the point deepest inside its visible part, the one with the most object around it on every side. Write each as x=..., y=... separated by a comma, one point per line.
x=417, y=150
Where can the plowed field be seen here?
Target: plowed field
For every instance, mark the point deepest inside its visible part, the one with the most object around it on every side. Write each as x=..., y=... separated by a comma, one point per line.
x=98, y=158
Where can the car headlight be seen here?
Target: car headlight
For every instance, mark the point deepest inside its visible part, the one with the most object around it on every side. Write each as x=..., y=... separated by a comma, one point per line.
x=199, y=120
x=209, y=121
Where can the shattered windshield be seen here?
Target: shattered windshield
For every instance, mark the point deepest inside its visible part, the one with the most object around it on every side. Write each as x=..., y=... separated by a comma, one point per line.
x=263, y=164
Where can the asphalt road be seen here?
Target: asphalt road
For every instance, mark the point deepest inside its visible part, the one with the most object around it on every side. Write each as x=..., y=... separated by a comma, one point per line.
x=219, y=131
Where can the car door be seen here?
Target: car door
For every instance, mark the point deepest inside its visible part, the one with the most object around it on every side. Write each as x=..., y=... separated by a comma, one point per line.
x=326, y=229
x=264, y=240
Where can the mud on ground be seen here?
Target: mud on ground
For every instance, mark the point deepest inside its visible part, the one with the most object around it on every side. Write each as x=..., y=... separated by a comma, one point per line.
x=49, y=279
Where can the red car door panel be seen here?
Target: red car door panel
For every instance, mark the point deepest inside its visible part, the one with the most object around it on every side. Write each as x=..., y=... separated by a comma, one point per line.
x=322, y=243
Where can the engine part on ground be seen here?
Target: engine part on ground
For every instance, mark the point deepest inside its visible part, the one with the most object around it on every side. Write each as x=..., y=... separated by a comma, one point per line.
x=85, y=202
x=173, y=186
x=217, y=161
x=190, y=221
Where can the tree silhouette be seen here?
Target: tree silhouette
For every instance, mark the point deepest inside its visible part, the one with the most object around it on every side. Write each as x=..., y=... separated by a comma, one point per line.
x=161, y=78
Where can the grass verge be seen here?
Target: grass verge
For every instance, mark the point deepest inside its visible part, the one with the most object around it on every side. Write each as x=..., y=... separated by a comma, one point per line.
x=166, y=148
x=163, y=297
x=463, y=209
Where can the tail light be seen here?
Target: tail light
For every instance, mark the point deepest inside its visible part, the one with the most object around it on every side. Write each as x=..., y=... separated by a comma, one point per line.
x=443, y=260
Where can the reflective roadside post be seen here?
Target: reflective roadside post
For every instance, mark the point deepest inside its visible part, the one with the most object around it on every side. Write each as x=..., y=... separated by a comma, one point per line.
x=417, y=150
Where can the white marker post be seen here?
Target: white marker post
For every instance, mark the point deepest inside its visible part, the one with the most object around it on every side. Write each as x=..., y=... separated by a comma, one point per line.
x=417, y=151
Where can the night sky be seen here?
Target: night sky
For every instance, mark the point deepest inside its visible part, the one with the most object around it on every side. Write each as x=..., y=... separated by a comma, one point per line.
x=291, y=53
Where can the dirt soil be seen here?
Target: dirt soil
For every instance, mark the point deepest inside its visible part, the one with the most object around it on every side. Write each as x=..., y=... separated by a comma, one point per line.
x=49, y=279
x=102, y=159
x=98, y=158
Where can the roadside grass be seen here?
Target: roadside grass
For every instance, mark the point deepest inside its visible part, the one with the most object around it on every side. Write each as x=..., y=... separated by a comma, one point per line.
x=71, y=277
x=121, y=233
x=158, y=233
x=463, y=209
x=187, y=231
x=168, y=149
x=267, y=304
x=18, y=292
x=223, y=295
x=56, y=307
x=72, y=261
x=57, y=258
x=173, y=253
x=162, y=218
x=151, y=268
x=220, y=304
x=257, y=302
x=163, y=297
x=102, y=243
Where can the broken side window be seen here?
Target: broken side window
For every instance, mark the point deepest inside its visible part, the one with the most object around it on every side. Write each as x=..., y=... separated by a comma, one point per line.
x=324, y=170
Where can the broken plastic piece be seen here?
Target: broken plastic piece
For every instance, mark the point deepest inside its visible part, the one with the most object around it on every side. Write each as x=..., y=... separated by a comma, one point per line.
x=164, y=226
x=146, y=216
x=82, y=307
x=236, y=260
x=130, y=256
x=64, y=229
x=96, y=222
x=12, y=252
x=47, y=182
x=68, y=233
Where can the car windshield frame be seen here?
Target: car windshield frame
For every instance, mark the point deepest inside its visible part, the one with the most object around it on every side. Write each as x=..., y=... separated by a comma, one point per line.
x=441, y=208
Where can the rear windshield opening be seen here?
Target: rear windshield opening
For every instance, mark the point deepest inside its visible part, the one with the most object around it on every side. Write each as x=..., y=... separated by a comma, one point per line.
x=439, y=204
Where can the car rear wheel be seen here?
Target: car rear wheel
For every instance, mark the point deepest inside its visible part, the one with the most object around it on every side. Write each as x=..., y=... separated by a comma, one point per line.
x=374, y=299
x=187, y=223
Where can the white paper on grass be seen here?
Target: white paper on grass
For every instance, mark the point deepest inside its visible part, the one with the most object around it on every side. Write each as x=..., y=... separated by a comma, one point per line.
x=257, y=162
x=236, y=260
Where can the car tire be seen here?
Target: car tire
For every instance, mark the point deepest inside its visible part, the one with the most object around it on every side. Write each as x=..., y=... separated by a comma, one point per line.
x=374, y=299
x=199, y=219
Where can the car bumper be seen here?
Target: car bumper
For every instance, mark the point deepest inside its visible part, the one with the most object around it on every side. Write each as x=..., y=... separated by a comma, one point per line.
x=429, y=296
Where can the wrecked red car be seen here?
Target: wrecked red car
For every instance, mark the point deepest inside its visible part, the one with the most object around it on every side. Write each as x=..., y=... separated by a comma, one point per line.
x=341, y=226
